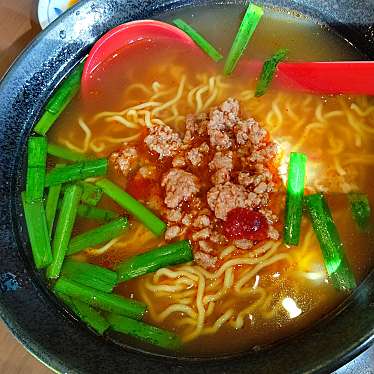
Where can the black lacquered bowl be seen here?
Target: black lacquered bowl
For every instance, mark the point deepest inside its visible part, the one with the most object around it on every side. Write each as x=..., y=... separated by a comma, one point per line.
x=28, y=307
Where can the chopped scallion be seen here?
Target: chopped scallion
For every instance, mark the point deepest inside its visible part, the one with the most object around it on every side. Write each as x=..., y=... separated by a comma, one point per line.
x=268, y=71
x=77, y=171
x=60, y=100
x=101, y=300
x=294, y=198
x=248, y=26
x=64, y=229
x=127, y=202
x=167, y=255
x=97, y=236
x=38, y=231
x=147, y=333
x=207, y=47
x=337, y=266
x=89, y=275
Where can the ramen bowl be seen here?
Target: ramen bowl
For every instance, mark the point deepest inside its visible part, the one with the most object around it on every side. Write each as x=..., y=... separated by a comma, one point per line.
x=30, y=309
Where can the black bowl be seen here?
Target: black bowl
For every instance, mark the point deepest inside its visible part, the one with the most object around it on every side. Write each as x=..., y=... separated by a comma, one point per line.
x=28, y=307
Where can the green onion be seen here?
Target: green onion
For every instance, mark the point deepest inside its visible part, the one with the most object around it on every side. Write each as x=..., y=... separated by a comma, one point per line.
x=294, y=198
x=65, y=153
x=97, y=236
x=248, y=26
x=361, y=210
x=86, y=313
x=51, y=205
x=268, y=71
x=92, y=194
x=126, y=201
x=331, y=245
x=36, y=166
x=101, y=300
x=77, y=171
x=199, y=40
x=147, y=333
x=60, y=99
x=38, y=231
x=64, y=228
x=89, y=275
x=170, y=254
x=96, y=214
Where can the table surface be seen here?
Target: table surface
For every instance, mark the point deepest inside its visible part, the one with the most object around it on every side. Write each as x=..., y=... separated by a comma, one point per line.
x=18, y=25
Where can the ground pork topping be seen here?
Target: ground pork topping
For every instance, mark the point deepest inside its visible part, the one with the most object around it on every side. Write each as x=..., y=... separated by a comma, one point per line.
x=224, y=166
x=163, y=140
x=125, y=160
x=179, y=186
x=223, y=198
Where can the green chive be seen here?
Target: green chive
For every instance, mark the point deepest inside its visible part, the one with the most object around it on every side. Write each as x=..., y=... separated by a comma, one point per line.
x=65, y=153
x=126, y=201
x=38, y=231
x=101, y=300
x=51, y=205
x=167, y=255
x=96, y=214
x=268, y=71
x=64, y=229
x=248, y=26
x=86, y=313
x=294, y=198
x=36, y=167
x=331, y=245
x=207, y=47
x=77, y=171
x=147, y=333
x=92, y=194
x=97, y=236
x=89, y=275
x=60, y=100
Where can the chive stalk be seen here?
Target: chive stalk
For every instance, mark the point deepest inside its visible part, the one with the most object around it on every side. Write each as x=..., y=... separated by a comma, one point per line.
x=38, y=231
x=36, y=167
x=126, y=201
x=96, y=214
x=101, y=300
x=207, y=47
x=361, y=211
x=89, y=275
x=77, y=171
x=91, y=194
x=142, y=331
x=86, y=313
x=331, y=245
x=65, y=153
x=248, y=26
x=294, y=198
x=64, y=228
x=167, y=255
x=268, y=71
x=60, y=100
x=51, y=205
x=97, y=236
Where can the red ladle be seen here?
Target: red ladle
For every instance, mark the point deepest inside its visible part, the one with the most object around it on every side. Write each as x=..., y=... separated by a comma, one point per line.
x=340, y=77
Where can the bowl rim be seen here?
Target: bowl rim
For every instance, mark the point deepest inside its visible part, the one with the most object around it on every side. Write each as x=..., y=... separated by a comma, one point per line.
x=17, y=88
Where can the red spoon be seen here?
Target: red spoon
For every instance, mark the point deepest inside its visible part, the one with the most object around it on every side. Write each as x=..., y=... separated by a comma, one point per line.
x=126, y=35
x=345, y=77
x=337, y=77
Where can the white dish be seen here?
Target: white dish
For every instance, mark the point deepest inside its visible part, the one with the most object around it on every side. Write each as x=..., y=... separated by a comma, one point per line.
x=49, y=10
